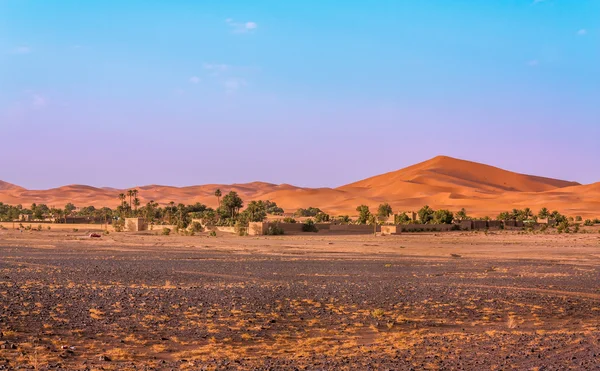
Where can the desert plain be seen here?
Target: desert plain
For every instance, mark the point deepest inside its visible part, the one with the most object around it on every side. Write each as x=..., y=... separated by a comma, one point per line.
x=458, y=300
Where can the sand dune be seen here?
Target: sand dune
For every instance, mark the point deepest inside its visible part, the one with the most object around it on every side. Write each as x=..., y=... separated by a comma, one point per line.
x=442, y=182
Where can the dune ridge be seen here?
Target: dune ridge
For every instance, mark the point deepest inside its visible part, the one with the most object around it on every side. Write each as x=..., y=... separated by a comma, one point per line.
x=441, y=182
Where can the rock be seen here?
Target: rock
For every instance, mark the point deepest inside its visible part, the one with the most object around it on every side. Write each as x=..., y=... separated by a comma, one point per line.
x=104, y=358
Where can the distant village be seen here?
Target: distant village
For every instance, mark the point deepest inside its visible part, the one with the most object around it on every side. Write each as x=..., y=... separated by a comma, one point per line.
x=267, y=218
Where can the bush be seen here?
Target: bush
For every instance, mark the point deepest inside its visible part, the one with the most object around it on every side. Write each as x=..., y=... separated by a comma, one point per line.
x=576, y=228
x=196, y=227
x=274, y=230
x=588, y=223
x=321, y=217
x=48, y=227
x=578, y=218
x=166, y=231
x=39, y=227
x=543, y=227
x=75, y=230
x=213, y=234
x=563, y=227
x=289, y=220
x=119, y=225
x=309, y=226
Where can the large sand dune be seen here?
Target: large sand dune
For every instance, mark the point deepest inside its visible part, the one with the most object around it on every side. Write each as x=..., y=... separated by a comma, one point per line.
x=442, y=182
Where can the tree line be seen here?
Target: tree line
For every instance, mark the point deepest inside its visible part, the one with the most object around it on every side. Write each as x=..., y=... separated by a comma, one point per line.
x=231, y=212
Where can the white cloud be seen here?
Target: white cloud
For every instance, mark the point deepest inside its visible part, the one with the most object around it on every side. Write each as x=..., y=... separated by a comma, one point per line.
x=582, y=32
x=38, y=101
x=194, y=79
x=241, y=27
x=233, y=84
x=22, y=50
x=533, y=63
x=216, y=67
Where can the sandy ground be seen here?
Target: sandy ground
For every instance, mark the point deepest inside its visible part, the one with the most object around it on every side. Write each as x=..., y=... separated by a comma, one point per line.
x=457, y=300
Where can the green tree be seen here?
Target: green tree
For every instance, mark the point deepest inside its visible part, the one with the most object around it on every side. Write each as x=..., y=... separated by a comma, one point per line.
x=255, y=211
x=462, y=215
x=218, y=195
x=136, y=204
x=443, y=217
x=130, y=194
x=363, y=214
x=503, y=216
x=425, y=214
x=402, y=218
x=544, y=213
x=232, y=203
x=384, y=211
x=321, y=217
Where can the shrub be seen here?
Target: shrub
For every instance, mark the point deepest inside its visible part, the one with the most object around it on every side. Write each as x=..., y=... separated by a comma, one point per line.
x=166, y=231
x=196, y=227
x=274, y=230
x=578, y=218
x=321, y=217
x=289, y=220
x=119, y=225
x=344, y=219
x=563, y=227
x=213, y=234
x=588, y=223
x=311, y=211
x=48, y=227
x=75, y=230
x=543, y=227
x=309, y=226
x=576, y=228
x=39, y=227
x=106, y=232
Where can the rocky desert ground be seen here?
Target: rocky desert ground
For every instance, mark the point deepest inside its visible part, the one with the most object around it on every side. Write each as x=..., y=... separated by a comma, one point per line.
x=460, y=300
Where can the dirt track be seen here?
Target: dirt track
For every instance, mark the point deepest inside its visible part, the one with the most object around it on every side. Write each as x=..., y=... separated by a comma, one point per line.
x=447, y=301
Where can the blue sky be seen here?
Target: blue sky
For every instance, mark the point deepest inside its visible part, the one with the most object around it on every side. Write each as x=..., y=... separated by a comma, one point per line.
x=312, y=93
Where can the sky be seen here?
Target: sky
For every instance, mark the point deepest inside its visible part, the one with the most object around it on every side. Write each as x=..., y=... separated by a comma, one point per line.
x=311, y=93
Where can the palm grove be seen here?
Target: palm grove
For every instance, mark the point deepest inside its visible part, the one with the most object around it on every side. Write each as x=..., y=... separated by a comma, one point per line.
x=231, y=212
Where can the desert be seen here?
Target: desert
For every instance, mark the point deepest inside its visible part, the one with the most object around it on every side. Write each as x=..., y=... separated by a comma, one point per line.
x=441, y=182
x=299, y=185
x=457, y=300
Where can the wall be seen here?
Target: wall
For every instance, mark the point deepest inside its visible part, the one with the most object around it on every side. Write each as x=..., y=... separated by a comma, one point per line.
x=353, y=228
x=466, y=225
x=390, y=229
x=425, y=227
x=513, y=224
x=60, y=226
x=135, y=224
x=480, y=224
x=159, y=227
x=495, y=224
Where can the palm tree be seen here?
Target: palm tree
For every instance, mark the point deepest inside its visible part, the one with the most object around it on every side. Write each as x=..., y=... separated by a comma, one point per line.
x=136, y=203
x=122, y=198
x=130, y=194
x=218, y=194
